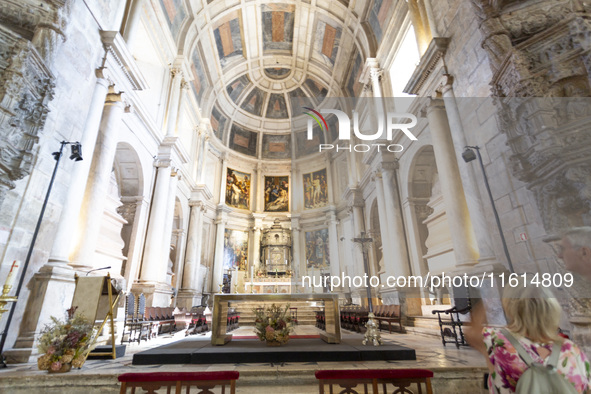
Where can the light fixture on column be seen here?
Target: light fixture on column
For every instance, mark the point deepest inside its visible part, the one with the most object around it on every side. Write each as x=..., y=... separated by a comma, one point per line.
x=76, y=156
x=468, y=155
x=372, y=334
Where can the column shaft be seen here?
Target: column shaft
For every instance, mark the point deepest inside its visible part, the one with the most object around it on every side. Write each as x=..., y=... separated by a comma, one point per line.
x=62, y=244
x=396, y=237
x=170, y=205
x=98, y=181
x=193, y=242
x=333, y=245
x=218, y=263
x=458, y=217
x=256, y=263
x=173, y=103
x=385, y=232
x=468, y=176
x=153, y=268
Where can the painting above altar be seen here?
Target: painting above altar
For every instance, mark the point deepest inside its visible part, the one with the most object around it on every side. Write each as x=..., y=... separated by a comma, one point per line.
x=235, y=249
x=276, y=194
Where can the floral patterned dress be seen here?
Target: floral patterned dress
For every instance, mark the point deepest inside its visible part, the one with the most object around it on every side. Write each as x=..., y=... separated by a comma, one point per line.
x=572, y=363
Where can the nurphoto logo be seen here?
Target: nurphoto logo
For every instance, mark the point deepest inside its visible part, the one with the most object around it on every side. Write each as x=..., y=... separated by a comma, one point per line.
x=393, y=121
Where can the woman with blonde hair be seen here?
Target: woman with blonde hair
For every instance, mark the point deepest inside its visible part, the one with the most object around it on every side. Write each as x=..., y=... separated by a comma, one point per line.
x=533, y=316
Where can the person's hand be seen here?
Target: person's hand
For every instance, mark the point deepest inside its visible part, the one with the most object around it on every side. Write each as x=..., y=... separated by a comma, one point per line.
x=473, y=332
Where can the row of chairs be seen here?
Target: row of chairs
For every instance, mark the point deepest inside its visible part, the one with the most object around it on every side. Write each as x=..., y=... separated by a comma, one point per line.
x=353, y=318
x=194, y=321
x=233, y=320
x=145, y=322
x=402, y=380
x=321, y=320
x=388, y=314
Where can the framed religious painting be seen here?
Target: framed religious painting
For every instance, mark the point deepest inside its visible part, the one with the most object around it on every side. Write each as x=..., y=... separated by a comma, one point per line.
x=237, y=189
x=315, y=189
x=276, y=194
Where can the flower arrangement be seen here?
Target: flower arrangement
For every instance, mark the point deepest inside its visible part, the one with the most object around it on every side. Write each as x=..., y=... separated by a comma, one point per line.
x=273, y=324
x=65, y=343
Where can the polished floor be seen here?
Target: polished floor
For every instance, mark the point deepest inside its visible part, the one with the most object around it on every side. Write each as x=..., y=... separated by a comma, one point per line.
x=287, y=377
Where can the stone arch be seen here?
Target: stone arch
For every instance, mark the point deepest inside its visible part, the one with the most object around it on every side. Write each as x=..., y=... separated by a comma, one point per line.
x=128, y=171
x=432, y=238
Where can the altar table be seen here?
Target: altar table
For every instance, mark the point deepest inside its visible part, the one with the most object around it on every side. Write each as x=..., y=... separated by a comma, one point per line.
x=221, y=303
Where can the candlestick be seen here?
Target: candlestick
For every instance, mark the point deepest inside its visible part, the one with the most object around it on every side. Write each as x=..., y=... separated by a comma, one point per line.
x=12, y=273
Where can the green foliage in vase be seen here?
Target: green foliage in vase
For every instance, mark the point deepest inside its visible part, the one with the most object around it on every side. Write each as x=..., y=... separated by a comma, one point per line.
x=273, y=323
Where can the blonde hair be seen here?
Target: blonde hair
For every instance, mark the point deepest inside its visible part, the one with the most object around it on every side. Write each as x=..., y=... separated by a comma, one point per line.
x=532, y=312
x=579, y=237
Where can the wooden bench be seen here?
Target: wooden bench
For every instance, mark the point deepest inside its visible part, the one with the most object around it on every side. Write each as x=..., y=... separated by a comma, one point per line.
x=388, y=314
x=349, y=379
x=204, y=381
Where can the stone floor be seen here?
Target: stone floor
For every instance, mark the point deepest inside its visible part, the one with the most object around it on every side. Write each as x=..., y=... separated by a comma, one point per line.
x=456, y=370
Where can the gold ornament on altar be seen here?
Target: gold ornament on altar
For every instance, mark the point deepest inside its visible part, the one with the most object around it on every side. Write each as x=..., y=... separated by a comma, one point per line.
x=273, y=324
x=66, y=344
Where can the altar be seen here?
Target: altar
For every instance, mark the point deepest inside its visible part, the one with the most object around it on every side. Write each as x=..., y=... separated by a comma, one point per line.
x=271, y=286
x=221, y=303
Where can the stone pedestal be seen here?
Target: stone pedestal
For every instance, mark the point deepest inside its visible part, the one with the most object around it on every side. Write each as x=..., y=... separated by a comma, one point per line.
x=157, y=294
x=50, y=289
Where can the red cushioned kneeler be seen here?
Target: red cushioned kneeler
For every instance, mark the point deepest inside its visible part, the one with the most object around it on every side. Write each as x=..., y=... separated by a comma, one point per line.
x=155, y=380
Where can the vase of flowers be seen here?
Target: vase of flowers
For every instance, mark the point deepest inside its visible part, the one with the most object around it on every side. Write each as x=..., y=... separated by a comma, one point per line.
x=273, y=324
x=65, y=343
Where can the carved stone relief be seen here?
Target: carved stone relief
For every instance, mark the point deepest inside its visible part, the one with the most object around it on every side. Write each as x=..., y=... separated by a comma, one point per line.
x=26, y=87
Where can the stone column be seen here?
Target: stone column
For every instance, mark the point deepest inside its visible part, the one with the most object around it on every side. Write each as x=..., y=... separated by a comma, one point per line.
x=153, y=268
x=385, y=232
x=260, y=189
x=193, y=256
x=167, y=231
x=98, y=182
x=375, y=75
x=467, y=174
x=333, y=243
x=203, y=138
x=218, y=263
x=131, y=24
x=359, y=227
x=256, y=247
x=464, y=240
x=298, y=266
x=396, y=237
x=62, y=244
x=174, y=101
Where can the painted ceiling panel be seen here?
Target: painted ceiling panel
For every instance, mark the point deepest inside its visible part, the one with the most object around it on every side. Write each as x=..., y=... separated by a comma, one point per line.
x=379, y=16
x=218, y=122
x=254, y=102
x=326, y=42
x=200, y=82
x=237, y=86
x=228, y=39
x=353, y=85
x=276, y=146
x=175, y=15
x=278, y=25
x=243, y=141
x=277, y=72
x=277, y=108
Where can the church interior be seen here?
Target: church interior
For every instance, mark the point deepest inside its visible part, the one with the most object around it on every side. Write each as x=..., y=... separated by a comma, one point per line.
x=213, y=157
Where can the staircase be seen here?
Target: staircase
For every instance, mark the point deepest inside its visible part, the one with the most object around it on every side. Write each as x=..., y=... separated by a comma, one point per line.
x=306, y=311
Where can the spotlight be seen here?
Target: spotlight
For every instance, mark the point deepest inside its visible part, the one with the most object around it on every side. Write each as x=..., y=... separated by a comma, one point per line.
x=76, y=151
x=468, y=155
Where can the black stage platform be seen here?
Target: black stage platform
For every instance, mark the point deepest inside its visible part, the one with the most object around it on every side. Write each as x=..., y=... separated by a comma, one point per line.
x=200, y=351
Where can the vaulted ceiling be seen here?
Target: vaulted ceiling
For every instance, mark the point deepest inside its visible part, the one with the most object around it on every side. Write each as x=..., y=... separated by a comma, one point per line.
x=256, y=63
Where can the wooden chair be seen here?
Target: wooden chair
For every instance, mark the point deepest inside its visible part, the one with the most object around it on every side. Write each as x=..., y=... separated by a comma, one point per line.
x=402, y=380
x=451, y=330
x=204, y=381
